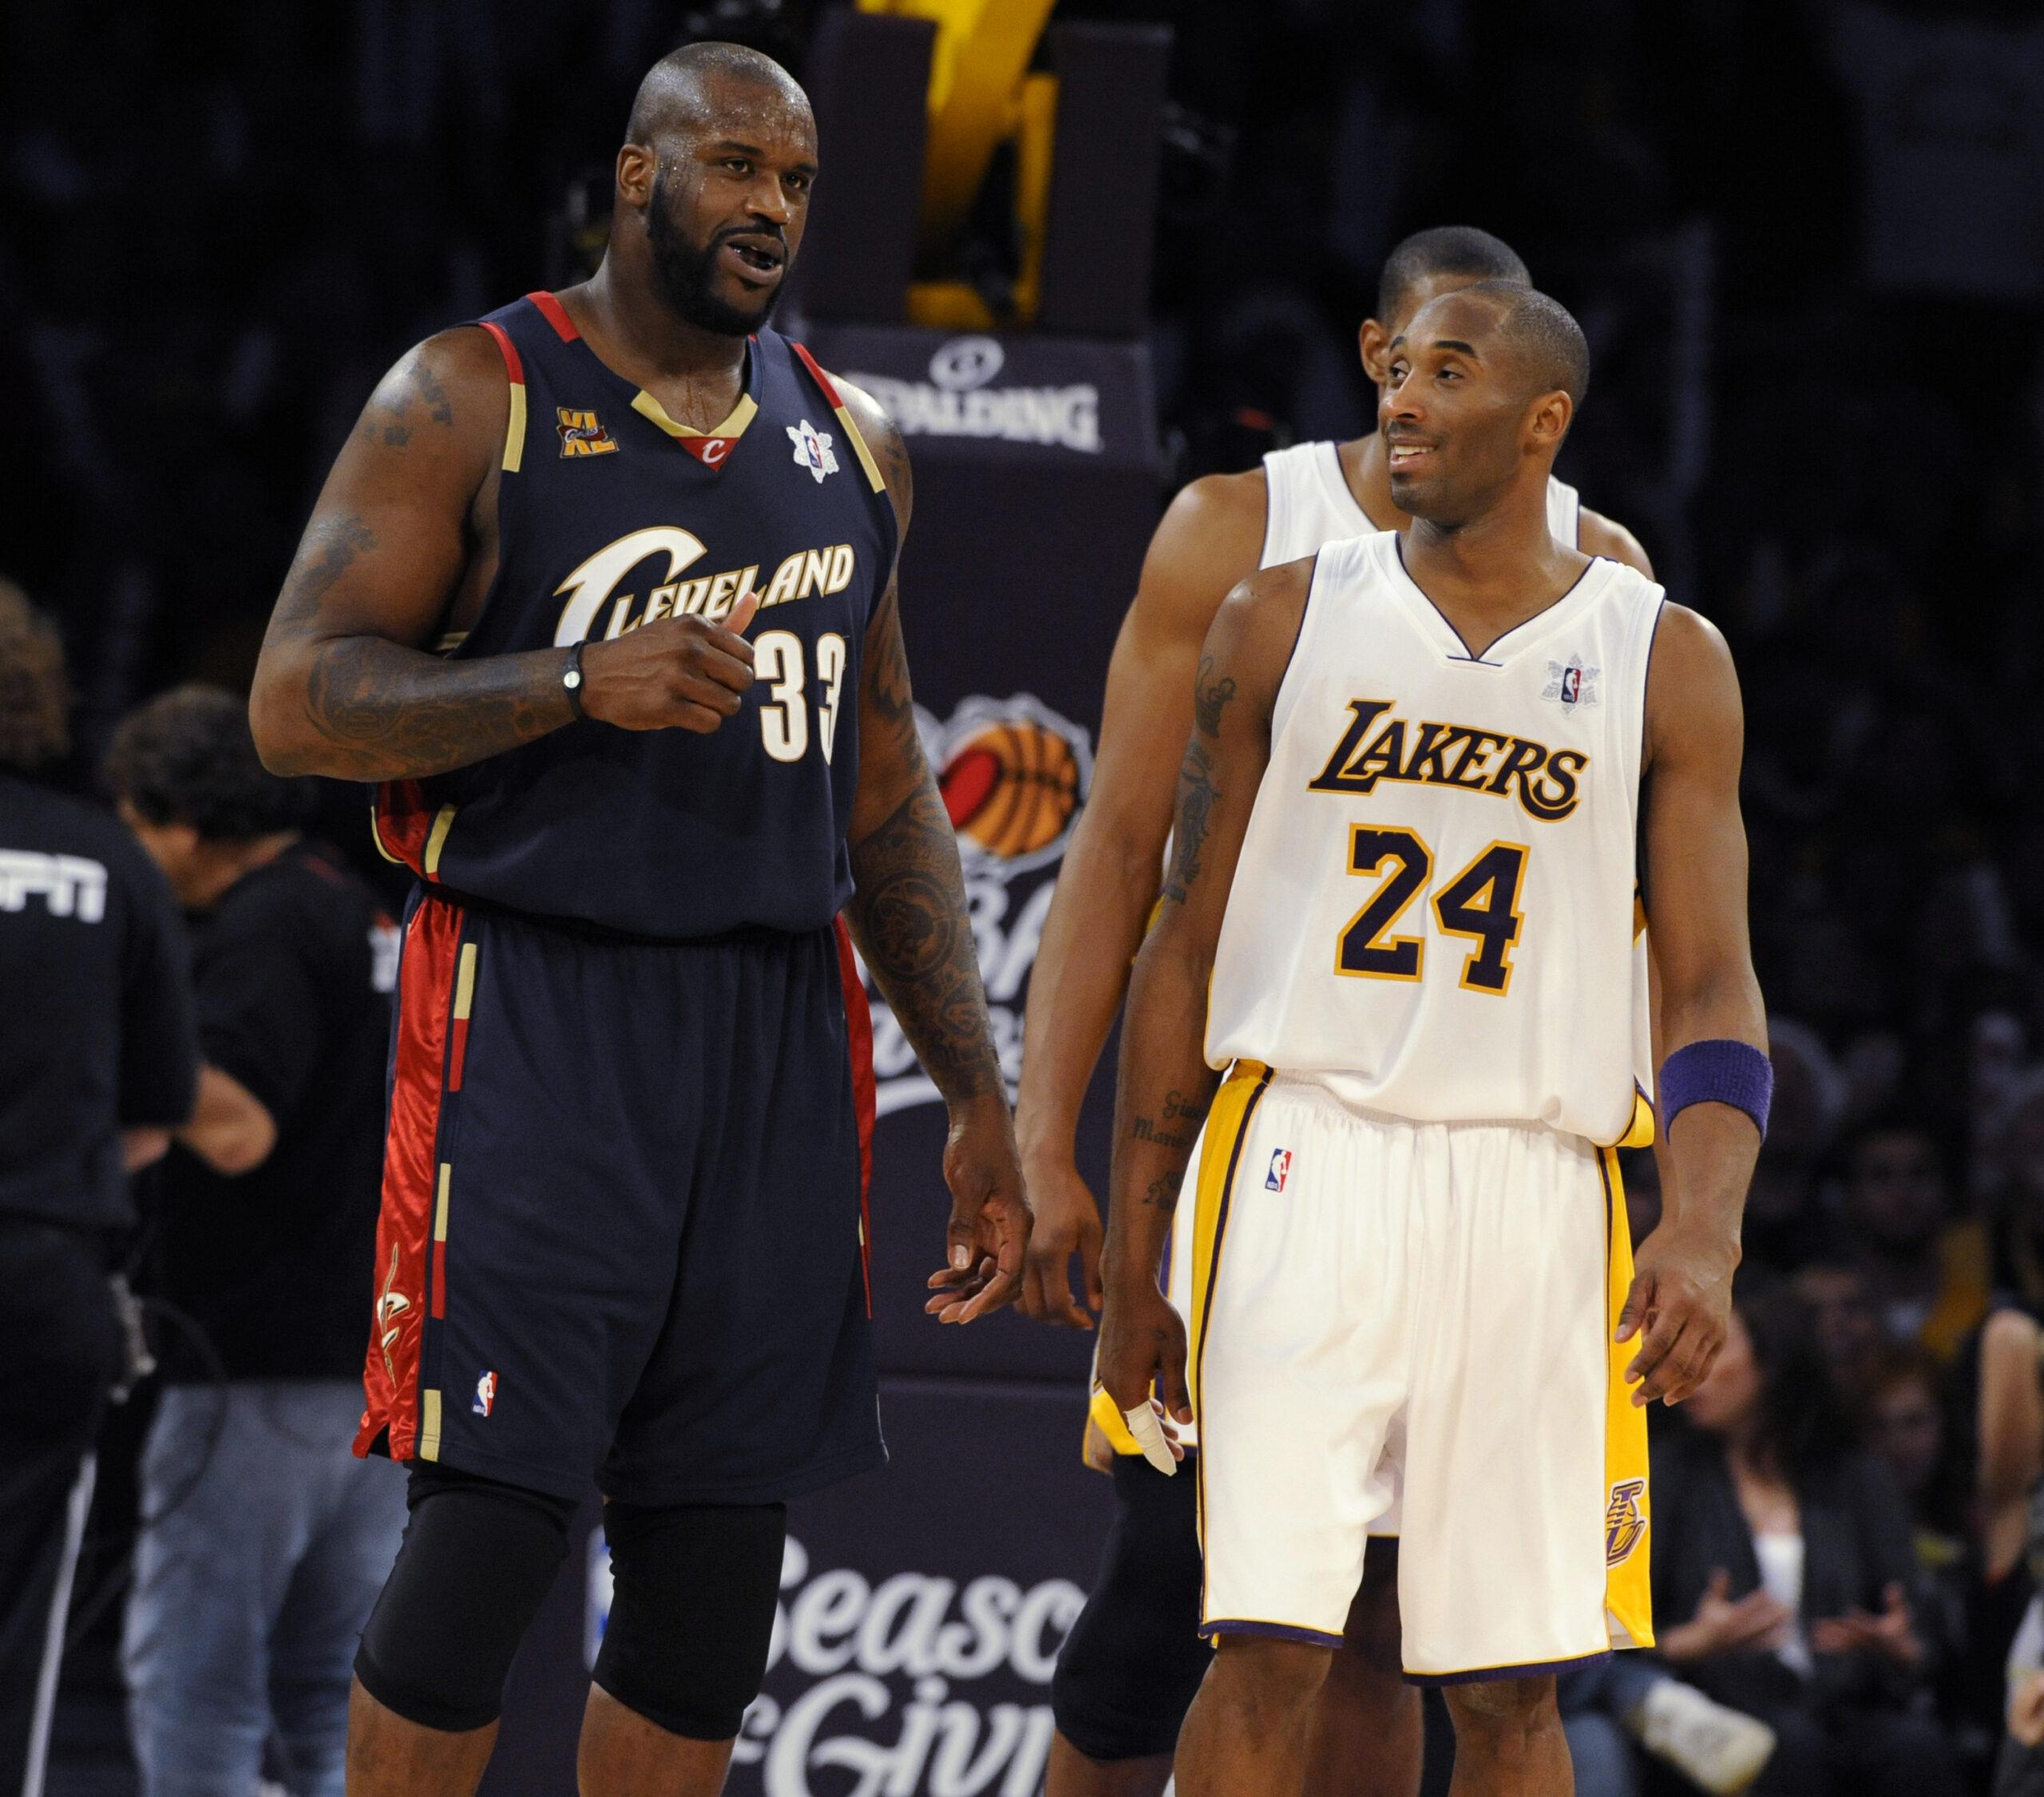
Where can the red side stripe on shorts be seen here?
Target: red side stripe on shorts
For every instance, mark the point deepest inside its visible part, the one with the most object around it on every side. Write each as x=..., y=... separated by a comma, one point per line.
x=403, y=822
x=404, y=1229
x=858, y=1021
x=555, y=314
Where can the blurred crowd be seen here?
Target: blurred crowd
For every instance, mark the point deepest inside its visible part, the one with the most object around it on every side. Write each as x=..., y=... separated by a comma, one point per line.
x=1806, y=238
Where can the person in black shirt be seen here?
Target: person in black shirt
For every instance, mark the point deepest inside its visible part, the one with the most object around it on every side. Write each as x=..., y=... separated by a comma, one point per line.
x=96, y=1065
x=251, y=1590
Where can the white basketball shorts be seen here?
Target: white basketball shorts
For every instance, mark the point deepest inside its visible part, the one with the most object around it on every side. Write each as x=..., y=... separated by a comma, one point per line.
x=1381, y=1304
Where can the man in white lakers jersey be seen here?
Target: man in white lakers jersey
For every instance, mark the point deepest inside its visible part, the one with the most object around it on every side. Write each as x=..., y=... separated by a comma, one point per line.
x=1133, y=1662
x=1405, y=858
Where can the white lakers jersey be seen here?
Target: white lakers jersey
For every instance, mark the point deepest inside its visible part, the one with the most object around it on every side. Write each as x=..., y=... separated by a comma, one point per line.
x=1309, y=504
x=1432, y=915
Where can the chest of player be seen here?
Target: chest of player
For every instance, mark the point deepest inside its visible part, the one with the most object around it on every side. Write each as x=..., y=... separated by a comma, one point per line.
x=614, y=517
x=1386, y=703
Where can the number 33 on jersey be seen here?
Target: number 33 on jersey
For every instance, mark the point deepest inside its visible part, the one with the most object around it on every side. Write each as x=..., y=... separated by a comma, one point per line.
x=1433, y=910
x=611, y=517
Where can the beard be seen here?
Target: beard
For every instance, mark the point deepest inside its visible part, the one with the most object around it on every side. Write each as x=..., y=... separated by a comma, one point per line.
x=682, y=272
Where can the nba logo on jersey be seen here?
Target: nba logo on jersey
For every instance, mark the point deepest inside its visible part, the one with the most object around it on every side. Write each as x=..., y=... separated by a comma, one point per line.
x=1571, y=683
x=1281, y=1166
x=486, y=1394
x=813, y=450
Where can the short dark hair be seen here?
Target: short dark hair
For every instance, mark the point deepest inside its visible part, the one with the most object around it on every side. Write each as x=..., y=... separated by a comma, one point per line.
x=1543, y=332
x=188, y=757
x=35, y=694
x=1446, y=249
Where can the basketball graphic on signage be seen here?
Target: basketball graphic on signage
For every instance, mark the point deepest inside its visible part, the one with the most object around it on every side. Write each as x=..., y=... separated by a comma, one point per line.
x=1013, y=775
x=1011, y=787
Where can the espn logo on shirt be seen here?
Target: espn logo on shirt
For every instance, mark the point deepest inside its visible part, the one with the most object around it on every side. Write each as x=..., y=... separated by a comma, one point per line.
x=1281, y=1169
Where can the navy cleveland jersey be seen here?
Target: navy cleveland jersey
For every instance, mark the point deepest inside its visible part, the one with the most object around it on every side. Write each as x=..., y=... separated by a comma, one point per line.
x=610, y=516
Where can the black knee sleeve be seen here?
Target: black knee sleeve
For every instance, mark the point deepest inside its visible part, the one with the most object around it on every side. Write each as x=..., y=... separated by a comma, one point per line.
x=691, y=1613
x=477, y=1559
x=1134, y=1659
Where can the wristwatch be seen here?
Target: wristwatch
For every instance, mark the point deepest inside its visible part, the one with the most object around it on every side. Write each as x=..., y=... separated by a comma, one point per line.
x=571, y=678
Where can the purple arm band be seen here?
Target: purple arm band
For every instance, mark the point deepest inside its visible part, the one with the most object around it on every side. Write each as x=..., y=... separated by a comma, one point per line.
x=1718, y=1072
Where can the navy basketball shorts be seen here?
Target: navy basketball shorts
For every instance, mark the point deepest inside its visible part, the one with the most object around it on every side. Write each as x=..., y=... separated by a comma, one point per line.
x=622, y=1233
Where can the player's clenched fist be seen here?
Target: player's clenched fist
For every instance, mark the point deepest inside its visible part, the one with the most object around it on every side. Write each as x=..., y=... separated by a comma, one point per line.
x=674, y=674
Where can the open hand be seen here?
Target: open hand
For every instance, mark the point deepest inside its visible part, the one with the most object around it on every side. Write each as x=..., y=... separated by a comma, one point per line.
x=1890, y=1635
x=683, y=672
x=1722, y=1625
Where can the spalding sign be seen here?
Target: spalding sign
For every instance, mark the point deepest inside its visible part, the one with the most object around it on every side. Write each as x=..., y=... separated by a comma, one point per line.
x=956, y=401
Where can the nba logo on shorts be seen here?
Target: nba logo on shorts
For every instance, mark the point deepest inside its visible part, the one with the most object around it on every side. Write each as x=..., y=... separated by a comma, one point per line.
x=486, y=1394
x=1281, y=1166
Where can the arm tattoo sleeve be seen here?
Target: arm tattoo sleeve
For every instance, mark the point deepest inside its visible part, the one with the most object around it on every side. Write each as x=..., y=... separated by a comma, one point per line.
x=386, y=712
x=1197, y=794
x=908, y=910
x=1209, y=697
x=910, y=917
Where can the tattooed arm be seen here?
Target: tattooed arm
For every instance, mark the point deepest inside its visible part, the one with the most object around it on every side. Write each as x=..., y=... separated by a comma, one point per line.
x=909, y=918
x=402, y=543
x=1165, y=1083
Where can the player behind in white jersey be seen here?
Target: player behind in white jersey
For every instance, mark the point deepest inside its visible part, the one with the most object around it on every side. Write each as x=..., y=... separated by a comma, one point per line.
x=1404, y=860
x=1131, y=1664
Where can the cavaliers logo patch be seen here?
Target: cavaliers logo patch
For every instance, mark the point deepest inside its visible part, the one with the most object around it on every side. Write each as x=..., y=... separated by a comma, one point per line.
x=581, y=435
x=1624, y=1526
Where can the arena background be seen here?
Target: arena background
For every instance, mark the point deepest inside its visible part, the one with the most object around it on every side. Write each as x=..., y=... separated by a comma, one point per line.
x=1806, y=238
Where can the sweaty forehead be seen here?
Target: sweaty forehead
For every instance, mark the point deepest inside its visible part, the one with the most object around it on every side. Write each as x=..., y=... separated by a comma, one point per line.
x=710, y=105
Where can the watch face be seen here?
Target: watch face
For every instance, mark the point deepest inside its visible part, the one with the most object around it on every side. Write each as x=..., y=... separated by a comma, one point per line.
x=571, y=678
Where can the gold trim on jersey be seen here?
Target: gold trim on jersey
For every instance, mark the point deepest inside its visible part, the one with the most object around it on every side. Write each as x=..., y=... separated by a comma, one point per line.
x=1628, y=1515
x=1227, y=1127
x=436, y=840
x=514, y=430
x=741, y=414
x=857, y=438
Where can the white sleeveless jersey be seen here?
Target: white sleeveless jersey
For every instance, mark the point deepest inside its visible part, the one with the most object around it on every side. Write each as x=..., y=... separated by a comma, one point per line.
x=1433, y=911
x=1309, y=504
